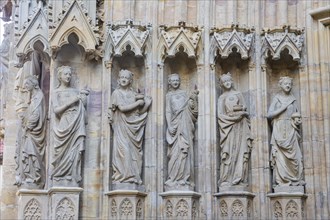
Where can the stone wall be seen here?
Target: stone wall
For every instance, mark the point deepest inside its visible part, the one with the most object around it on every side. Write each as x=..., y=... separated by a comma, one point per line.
x=256, y=41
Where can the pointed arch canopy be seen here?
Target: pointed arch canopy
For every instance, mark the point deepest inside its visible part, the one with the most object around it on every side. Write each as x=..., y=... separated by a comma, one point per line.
x=277, y=40
x=127, y=34
x=176, y=38
x=224, y=40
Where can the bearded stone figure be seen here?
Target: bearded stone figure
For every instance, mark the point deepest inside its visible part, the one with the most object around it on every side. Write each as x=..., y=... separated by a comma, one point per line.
x=33, y=141
x=181, y=115
x=69, y=130
x=235, y=137
x=128, y=116
x=286, y=156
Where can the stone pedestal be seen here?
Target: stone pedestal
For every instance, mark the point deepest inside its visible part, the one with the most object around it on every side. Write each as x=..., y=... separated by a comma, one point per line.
x=64, y=202
x=234, y=205
x=126, y=204
x=180, y=205
x=287, y=204
x=32, y=204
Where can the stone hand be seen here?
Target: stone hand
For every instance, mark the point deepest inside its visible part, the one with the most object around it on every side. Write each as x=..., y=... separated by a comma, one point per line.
x=141, y=102
x=147, y=100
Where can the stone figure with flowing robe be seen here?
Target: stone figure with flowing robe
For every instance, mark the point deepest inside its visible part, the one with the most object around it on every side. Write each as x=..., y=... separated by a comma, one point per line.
x=286, y=157
x=181, y=116
x=235, y=135
x=33, y=141
x=69, y=130
x=128, y=117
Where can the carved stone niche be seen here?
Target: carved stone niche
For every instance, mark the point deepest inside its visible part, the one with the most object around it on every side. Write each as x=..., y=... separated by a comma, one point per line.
x=32, y=50
x=287, y=206
x=126, y=50
x=231, y=58
x=126, y=204
x=282, y=60
x=235, y=205
x=33, y=204
x=180, y=205
x=231, y=51
x=64, y=202
x=179, y=49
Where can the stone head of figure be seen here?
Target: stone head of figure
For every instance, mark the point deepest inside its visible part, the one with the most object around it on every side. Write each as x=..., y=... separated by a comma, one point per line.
x=64, y=74
x=285, y=84
x=125, y=78
x=296, y=118
x=174, y=81
x=30, y=83
x=226, y=81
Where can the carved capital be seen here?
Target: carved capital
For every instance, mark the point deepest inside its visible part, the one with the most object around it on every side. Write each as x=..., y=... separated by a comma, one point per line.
x=108, y=64
x=224, y=40
x=278, y=39
x=175, y=38
x=127, y=35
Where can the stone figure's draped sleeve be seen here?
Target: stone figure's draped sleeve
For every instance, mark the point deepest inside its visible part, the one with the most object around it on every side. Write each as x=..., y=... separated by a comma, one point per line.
x=128, y=137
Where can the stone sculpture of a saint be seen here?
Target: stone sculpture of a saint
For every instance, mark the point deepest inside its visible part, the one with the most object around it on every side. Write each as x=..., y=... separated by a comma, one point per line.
x=33, y=139
x=181, y=116
x=235, y=135
x=128, y=117
x=69, y=105
x=286, y=157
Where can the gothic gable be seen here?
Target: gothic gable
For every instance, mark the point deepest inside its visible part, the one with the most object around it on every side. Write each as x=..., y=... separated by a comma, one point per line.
x=35, y=31
x=74, y=20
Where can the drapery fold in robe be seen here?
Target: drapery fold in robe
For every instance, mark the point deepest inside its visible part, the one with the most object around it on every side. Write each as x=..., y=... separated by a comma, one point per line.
x=286, y=156
x=184, y=112
x=69, y=136
x=128, y=128
x=34, y=140
x=235, y=140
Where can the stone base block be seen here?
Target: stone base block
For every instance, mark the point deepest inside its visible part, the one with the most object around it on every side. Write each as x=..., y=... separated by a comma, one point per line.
x=180, y=205
x=287, y=205
x=234, y=205
x=32, y=204
x=64, y=202
x=126, y=204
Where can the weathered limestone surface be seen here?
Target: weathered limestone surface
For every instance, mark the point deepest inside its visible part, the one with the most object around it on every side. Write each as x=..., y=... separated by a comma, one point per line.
x=258, y=42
